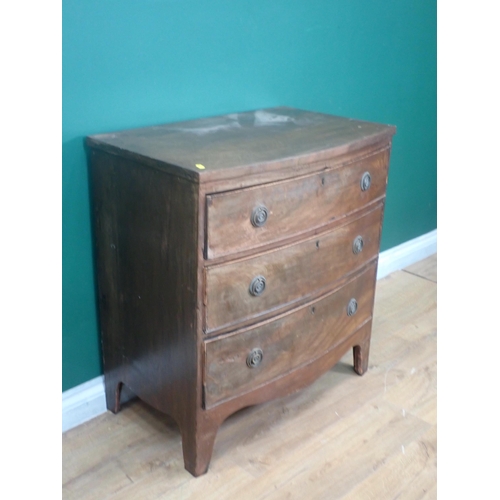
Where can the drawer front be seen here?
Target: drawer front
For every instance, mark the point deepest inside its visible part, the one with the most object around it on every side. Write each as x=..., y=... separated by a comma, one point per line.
x=289, y=274
x=249, y=218
x=241, y=362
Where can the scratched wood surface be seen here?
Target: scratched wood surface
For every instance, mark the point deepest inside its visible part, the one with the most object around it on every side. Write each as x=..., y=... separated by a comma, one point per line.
x=293, y=273
x=295, y=205
x=288, y=342
x=344, y=437
x=221, y=143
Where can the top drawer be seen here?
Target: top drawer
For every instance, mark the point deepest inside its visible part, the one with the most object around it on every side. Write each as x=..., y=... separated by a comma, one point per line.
x=249, y=218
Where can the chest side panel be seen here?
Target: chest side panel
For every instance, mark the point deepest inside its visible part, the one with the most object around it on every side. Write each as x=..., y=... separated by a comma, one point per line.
x=145, y=227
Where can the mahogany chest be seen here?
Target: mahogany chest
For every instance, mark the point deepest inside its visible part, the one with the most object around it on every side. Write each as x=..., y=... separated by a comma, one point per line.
x=236, y=259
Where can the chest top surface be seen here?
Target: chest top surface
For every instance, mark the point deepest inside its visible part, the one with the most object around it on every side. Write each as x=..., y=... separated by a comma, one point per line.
x=211, y=148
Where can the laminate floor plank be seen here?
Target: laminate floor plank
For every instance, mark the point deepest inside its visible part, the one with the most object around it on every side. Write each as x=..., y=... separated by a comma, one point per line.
x=410, y=473
x=108, y=437
x=426, y=268
x=344, y=437
x=334, y=461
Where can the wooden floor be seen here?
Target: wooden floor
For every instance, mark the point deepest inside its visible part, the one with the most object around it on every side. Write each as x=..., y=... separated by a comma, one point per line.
x=344, y=437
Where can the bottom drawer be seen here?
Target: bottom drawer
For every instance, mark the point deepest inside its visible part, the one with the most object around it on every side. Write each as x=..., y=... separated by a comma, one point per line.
x=240, y=362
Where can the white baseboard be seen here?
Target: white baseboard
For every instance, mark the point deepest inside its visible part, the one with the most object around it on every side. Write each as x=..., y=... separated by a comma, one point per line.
x=87, y=400
x=406, y=254
x=83, y=403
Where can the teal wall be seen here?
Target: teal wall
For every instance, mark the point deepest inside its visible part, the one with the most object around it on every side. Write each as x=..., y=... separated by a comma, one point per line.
x=131, y=63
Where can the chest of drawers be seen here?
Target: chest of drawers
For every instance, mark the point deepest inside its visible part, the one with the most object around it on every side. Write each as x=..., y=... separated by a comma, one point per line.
x=236, y=259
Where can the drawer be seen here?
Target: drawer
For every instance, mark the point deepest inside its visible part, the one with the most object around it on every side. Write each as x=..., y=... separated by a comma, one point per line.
x=291, y=274
x=248, y=218
x=243, y=361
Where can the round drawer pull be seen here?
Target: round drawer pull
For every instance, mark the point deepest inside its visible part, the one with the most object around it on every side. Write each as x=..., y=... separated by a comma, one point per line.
x=257, y=286
x=357, y=245
x=254, y=358
x=352, y=307
x=366, y=181
x=259, y=216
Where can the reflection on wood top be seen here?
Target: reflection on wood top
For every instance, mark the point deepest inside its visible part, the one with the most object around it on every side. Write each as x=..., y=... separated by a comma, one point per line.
x=205, y=149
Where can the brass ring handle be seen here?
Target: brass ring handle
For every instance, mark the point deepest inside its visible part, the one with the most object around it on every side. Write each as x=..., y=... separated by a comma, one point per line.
x=257, y=286
x=254, y=358
x=366, y=181
x=357, y=245
x=352, y=307
x=259, y=216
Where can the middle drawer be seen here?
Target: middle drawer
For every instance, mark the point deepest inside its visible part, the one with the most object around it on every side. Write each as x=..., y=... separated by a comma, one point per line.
x=247, y=289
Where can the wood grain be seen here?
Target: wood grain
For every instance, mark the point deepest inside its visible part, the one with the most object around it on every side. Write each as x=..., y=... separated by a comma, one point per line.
x=293, y=274
x=343, y=437
x=426, y=268
x=239, y=143
x=147, y=274
x=294, y=205
x=292, y=340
